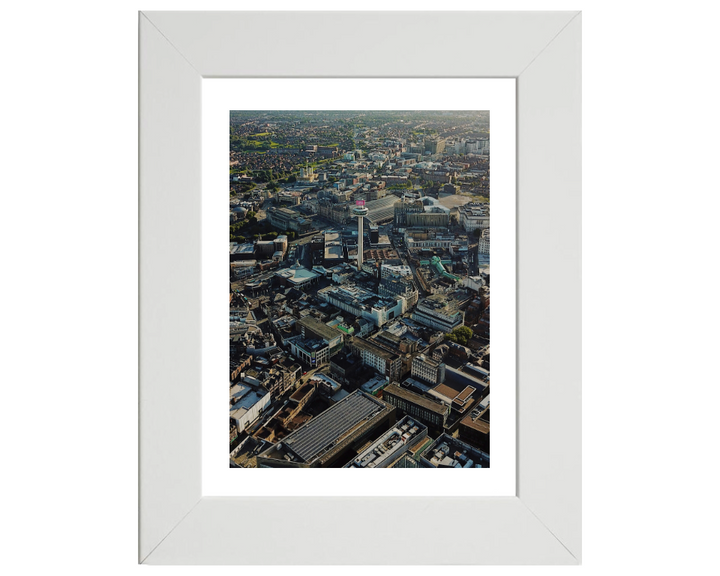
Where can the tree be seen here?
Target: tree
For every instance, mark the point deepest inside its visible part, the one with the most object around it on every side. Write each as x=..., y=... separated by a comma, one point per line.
x=291, y=179
x=461, y=335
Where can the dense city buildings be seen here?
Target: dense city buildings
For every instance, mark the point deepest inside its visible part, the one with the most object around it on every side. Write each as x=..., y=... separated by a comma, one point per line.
x=359, y=303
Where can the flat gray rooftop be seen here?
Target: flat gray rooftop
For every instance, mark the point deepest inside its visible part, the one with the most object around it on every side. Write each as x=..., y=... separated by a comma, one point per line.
x=326, y=429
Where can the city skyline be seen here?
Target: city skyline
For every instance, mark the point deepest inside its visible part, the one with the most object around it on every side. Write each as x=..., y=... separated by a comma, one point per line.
x=359, y=289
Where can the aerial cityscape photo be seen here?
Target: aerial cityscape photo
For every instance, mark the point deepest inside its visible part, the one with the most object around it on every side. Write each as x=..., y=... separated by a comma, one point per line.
x=359, y=289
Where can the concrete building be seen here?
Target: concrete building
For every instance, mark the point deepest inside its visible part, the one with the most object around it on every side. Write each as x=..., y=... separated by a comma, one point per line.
x=418, y=238
x=386, y=363
x=430, y=217
x=297, y=276
x=392, y=271
x=474, y=215
x=244, y=251
x=439, y=312
x=432, y=414
x=281, y=243
x=330, y=436
x=374, y=385
x=434, y=145
x=285, y=219
x=313, y=328
x=246, y=404
x=242, y=269
x=392, y=287
x=333, y=249
x=484, y=242
x=475, y=427
x=363, y=303
x=449, y=452
x=317, y=342
x=404, y=207
x=428, y=370
x=310, y=351
x=390, y=447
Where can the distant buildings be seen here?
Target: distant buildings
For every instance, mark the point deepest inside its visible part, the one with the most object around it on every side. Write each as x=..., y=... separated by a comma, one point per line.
x=405, y=207
x=286, y=219
x=484, y=242
x=355, y=314
x=418, y=238
x=474, y=215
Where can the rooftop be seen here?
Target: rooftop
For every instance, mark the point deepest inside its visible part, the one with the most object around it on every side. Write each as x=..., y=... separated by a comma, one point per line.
x=245, y=397
x=372, y=348
x=390, y=445
x=431, y=405
x=321, y=329
x=297, y=275
x=321, y=433
x=449, y=452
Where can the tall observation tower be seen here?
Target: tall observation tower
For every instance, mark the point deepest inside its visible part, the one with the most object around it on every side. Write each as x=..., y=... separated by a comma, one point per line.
x=360, y=212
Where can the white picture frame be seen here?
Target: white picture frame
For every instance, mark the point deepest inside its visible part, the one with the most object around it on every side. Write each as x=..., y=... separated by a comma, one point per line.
x=542, y=523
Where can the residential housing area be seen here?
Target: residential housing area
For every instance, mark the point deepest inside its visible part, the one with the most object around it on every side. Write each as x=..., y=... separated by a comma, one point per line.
x=359, y=289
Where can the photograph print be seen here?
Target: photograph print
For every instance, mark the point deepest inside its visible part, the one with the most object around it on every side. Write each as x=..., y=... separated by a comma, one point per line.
x=359, y=289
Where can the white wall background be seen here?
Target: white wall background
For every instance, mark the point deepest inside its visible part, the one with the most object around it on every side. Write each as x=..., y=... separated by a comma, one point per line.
x=69, y=210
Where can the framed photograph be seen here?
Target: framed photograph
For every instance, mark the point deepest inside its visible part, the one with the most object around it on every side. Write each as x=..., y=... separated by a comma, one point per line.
x=506, y=80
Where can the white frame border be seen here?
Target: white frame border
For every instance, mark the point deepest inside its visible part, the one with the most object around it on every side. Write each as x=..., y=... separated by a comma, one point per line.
x=542, y=524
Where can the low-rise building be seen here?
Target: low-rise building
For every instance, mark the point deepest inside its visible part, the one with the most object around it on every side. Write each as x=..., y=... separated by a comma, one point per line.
x=383, y=361
x=405, y=288
x=431, y=413
x=286, y=219
x=297, y=276
x=395, y=271
x=439, y=312
x=391, y=446
x=246, y=404
x=449, y=452
x=310, y=351
x=363, y=303
x=474, y=215
x=475, y=427
x=330, y=436
x=313, y=328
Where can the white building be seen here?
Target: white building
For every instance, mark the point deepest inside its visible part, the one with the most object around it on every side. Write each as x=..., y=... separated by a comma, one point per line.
x=475, y=215
x=484, y=242
x=246, y=404
x=363, y=304
x=438, y=313
x=388, y=271
x=428, y=370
